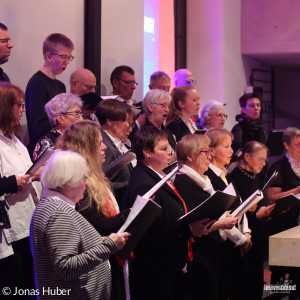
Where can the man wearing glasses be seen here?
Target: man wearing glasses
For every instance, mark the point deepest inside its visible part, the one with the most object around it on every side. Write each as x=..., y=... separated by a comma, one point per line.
x=82, y=81
x=123, y=82
x=5, y=48
x=184, y=77
x=43, y=85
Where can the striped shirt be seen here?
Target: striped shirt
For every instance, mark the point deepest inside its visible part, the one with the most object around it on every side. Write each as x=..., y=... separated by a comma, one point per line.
x=69, y=254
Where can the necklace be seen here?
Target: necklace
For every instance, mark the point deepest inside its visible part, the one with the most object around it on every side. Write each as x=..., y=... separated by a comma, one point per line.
x=245, y=172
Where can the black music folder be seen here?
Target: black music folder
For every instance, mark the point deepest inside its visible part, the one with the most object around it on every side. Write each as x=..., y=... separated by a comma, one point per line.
x=284, y=203
x=212, y=208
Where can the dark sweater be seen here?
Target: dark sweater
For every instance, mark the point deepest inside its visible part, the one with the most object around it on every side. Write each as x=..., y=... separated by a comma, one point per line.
x=40, y=89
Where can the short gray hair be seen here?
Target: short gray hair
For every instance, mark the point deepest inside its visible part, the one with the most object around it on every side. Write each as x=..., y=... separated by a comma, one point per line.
x=60, y=104
x=152, y=97
x=207, y=108
x=289, y=134
x=158, y=74
x=63, y=167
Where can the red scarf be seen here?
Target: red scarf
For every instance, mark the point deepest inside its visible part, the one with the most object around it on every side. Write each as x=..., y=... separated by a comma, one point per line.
x=191, y=240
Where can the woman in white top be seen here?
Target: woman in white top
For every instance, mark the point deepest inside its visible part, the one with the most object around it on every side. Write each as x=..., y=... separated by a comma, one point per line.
x=15, y=257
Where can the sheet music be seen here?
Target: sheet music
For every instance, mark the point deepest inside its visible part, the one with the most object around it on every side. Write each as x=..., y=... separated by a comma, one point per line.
x=151, y=192
x=270, y=181
x=138, y=205
x=230, y=190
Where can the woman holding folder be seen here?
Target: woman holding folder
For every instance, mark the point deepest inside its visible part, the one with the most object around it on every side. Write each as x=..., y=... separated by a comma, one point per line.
x=287, y=182
x=15, y=256
x=98, y=205
x=195, y=187
x=164, y=250
x=238, y=272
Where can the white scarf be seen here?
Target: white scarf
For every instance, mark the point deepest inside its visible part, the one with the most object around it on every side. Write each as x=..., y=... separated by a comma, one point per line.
x=294, y=166
x=202, y=180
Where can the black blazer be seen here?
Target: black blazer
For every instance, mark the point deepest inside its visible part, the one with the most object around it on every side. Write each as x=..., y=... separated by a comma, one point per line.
x=120, y=179
x=178, y=128
x=216, y=181
x=163, y=249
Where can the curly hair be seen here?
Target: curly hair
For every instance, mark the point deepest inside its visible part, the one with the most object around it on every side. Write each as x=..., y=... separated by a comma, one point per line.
x=82, y=137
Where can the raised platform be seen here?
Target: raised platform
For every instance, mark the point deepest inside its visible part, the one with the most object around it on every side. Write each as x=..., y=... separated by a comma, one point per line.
x=284, y=248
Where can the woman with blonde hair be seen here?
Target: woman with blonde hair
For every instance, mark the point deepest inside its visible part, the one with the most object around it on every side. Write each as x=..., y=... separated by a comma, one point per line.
x=185, y=103
x=99, y=205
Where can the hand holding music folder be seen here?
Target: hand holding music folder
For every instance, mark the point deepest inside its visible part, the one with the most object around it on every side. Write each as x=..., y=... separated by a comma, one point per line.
x=40, y=162
x=247, y=204
x=120, y=162
x=284, y=203
x=212, y=208
x=141, y=216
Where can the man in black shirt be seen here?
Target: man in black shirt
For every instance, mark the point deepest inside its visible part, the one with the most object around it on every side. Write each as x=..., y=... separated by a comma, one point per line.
x=5, y=48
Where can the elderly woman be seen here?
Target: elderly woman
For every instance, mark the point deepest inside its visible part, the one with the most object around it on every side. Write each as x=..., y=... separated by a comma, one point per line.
x=62, y=110
x=98, y=205
x=195, y=187
x=156, y=105
x=116, y=119
x=250, y=124
x=185, y=103
x=15, y=256
x=248, y=177
x=162, y=253
x=69, y=254
x=286, y=183
x=213, y=115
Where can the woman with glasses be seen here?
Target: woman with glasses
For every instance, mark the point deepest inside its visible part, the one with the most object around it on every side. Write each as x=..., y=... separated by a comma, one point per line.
x=156, y=106
x=248, y=177
x=162, y=253
x=70, y=256
x=16, y=263
x=185, y=103
x=62, y=110
x=204, y=271
x=98, y=205
x=287, y=182
x=250, y=124
x=213, y=115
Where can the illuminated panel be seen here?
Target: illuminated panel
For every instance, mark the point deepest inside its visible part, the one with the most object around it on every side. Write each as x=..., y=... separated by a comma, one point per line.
x=151, y=40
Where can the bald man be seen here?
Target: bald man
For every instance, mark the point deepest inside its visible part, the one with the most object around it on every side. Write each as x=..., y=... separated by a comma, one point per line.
x=184, y=77
x=82, y=81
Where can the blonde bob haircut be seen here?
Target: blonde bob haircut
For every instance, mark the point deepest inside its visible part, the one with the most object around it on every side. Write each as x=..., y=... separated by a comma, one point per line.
x=217, y=136
x=190, y=145
x=63, y=167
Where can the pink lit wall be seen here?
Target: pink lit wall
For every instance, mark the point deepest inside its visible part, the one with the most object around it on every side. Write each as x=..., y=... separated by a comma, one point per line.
x=166, y=38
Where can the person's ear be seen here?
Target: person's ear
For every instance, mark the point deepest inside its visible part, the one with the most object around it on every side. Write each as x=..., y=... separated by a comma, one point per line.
x=48, y=56
x=150, y=107
x=246, y=157
x=59, y=119
x=181, y=104
x=115, y=83
x=212, y=152
x=190, y=158
x=108, y=122
x=286, y=145
x=147, y=153
x=243, y=109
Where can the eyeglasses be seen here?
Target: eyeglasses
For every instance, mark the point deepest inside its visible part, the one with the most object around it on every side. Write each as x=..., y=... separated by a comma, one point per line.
x=190, y=82
x=129, y=82
x=77, y=113
x=262, y=160
x=206, y=153
x=164, y=105
x=20, y=105
x=220, y=116
x=4, y=41
x=64, y=57
x=89, y=87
